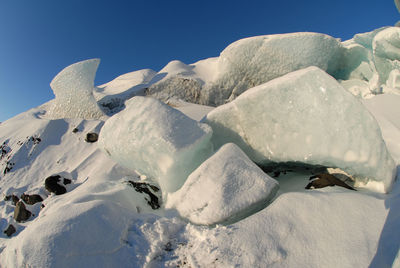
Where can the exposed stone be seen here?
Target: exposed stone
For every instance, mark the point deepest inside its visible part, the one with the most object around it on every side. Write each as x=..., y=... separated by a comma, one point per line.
x=31, y=199
x=66, y=181
x=91, y=137
x=75, y=130
x=143, y=187
x=21, y=213
x=324, y=180
x=51, y=185
x=10, y=230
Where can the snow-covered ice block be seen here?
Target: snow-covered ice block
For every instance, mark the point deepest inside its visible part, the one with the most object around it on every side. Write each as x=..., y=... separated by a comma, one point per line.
x=305, y=116
x=386, y=49
x=73, y=88
x=253, y=61
x=156, y=140
x=226, y=187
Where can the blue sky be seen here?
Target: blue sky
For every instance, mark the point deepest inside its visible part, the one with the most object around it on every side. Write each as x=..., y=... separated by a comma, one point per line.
x=39, y=38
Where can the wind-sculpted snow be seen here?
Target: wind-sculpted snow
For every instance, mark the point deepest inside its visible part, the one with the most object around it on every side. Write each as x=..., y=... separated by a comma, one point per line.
x=226, y=187
x=73, y=88
x=253, y=61
x=305, y=116
x=156, y=140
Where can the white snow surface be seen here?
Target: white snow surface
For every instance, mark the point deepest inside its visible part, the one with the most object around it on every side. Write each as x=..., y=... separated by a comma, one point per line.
x=73, y=88
x=305, y=116
x=226, y=187
x=157, y=141
x=103, y=222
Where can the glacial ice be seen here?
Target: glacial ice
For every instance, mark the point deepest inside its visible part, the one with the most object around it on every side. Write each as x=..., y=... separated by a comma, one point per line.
x=226, y=187
x=253, y=61
x=305, y=116
x=73, y=88
x=157, y=141
x=386, y=49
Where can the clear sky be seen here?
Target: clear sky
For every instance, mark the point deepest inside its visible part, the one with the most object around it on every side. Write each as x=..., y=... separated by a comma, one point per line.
x=39, y=38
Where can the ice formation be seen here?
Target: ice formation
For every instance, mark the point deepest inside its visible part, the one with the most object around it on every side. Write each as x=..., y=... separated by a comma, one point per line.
x=386, y=48
x=226, y=187
x=73, y=88
x=156, y=140
x=305, y=116
x=253, y=61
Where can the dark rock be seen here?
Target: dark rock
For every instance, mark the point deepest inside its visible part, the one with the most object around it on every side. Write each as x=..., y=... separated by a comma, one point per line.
x=143, y=187
x=324, y=180
x=13, y=198
x=31, y=199
x=75, y=130
x=91, y=137
x=66, y=181
x=21, y=213
x=51, y=185
x=10, y=230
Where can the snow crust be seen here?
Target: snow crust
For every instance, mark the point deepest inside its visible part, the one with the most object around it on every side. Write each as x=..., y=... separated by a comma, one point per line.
x=157, y=141
x=73, y=88
x=305, y=116
x=253, y=61
x=226, y=187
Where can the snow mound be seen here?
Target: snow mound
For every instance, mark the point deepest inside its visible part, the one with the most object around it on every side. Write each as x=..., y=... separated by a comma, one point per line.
x=79, y=235
x=156, y=140
x=226, y=187
x=253, y=61
x=305, y=116
x=73, y=88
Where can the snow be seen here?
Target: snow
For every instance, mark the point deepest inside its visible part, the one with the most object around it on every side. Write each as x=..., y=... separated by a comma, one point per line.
x=225, y=188
x=73, y=88
x=306, y=117
x=253, y=61
x=104, y=222
x=157, y=141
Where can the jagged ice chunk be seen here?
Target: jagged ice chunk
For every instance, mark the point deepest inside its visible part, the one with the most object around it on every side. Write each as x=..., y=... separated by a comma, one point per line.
x=73, y=88
x=306, y=116
x=156, y=140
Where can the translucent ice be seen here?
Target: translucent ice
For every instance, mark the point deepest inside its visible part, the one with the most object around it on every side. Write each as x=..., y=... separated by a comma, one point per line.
x=305, y=116
x=256, y=60
x=156, y=140
x=73, y=88
x=386, y=48
x=226, y=187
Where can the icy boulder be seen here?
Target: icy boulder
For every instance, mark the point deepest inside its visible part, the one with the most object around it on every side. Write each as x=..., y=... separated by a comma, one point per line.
x=225, y=188
x=156, y=140
x=73, y=88
x=253, y=61
x=306, y=116
x=386, y=49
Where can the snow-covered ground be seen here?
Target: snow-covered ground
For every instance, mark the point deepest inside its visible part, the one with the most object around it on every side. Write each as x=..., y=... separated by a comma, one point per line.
x=226, y=214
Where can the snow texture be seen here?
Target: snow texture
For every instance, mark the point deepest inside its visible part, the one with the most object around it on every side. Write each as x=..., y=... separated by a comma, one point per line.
x=253, y=61
x=225, y=188
x=305, y=116
x=157, y=141
x=73, y=88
